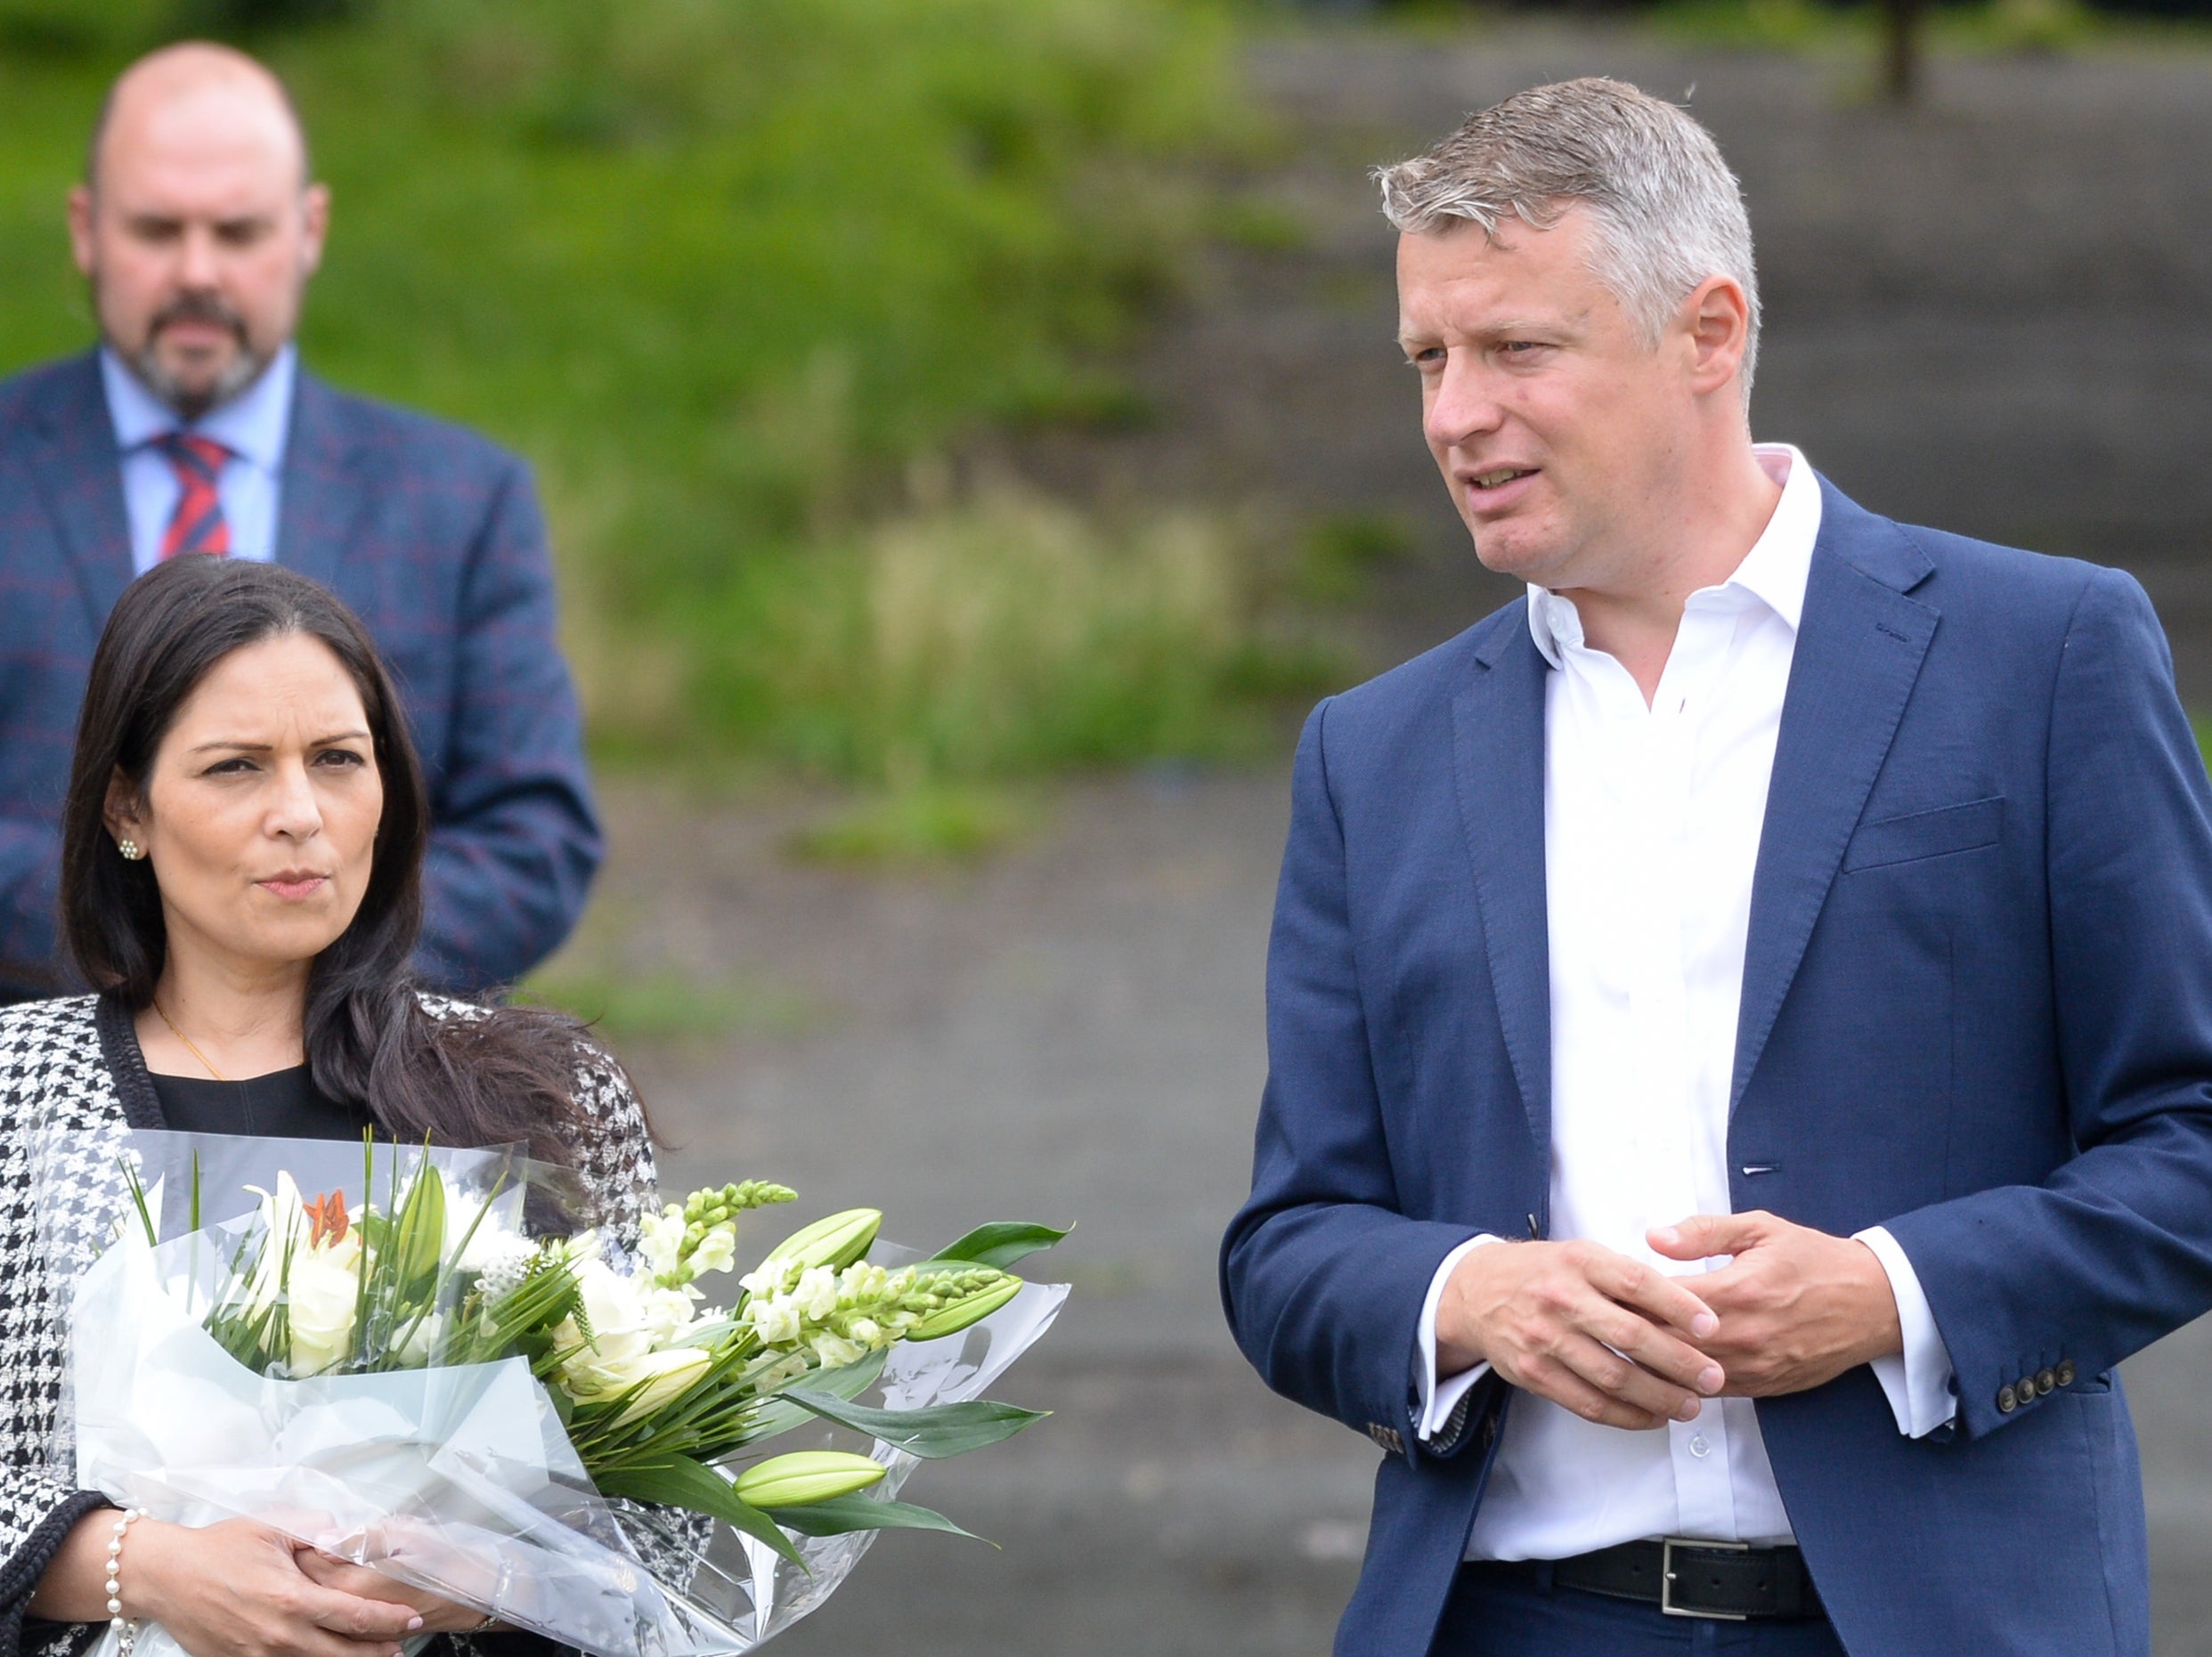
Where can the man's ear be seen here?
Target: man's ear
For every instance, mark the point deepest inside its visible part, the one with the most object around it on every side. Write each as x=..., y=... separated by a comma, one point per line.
x=1717, y=318
x=124, y=811
x=81, y=228
x=315, y=206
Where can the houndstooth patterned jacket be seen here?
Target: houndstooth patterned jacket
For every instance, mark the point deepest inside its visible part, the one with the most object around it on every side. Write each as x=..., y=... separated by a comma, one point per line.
x=75, y=1064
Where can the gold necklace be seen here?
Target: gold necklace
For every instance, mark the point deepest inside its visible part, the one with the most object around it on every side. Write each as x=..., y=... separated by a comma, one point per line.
x=187, y=1040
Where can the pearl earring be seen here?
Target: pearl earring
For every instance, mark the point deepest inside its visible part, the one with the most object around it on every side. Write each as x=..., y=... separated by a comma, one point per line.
x=129, y=849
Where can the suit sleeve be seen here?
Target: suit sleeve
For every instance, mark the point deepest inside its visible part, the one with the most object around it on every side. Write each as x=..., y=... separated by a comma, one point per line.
x=1322, y=1277
x=30, y=891
x=515, y=839
x=38, y=1509
x=2115, y=1248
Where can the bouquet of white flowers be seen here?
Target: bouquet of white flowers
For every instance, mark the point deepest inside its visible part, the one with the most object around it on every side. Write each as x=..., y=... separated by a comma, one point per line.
x=394, y=1371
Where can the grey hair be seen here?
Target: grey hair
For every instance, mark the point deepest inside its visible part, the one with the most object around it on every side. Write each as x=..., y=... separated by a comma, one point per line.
x=1667, y=211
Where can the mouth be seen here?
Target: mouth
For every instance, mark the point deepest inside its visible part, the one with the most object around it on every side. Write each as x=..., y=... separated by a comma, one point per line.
x=193, y=335
x=198, y=322
x=294, y=885
x=1496, y=487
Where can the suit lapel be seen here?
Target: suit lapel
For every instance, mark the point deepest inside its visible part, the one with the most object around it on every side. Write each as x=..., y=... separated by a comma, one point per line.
x=80, y=476
x=325, y=493
x=1860, y=642
x=1498, y=750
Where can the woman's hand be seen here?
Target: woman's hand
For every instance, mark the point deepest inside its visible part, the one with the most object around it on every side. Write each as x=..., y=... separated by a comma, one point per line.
x=239, y=1589
x=234, y=1589
x=439, y=1616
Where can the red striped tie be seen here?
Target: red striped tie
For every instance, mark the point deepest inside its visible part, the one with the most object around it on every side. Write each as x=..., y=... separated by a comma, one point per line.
x=198, y=523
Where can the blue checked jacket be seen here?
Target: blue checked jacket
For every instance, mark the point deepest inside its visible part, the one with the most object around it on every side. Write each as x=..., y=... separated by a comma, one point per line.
x=434, y=537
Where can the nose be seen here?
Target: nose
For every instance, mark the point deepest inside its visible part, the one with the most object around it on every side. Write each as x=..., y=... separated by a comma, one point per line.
x=1462, y=402
x=197, y=265
x=294, y=812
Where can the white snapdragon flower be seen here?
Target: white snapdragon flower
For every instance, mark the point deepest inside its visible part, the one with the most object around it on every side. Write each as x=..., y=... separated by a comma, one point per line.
x=768, y=1278
x=816, y=1292
x=717, y=1251
x=660, y=1240
x=775, y=1319
x=835, y=1350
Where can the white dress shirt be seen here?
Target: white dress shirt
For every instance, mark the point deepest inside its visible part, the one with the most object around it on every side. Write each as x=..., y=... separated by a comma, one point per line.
x=254, y=425
x=1652, y=819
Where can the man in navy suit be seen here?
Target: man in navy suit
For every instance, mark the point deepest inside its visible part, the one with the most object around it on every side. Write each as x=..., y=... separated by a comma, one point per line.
x=193, y=429
x=1740, y=1017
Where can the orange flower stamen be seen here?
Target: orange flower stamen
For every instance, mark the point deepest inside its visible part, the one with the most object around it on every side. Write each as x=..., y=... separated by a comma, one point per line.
x=328, y=1219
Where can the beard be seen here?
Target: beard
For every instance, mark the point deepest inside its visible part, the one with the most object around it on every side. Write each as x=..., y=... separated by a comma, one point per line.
x=190, y=401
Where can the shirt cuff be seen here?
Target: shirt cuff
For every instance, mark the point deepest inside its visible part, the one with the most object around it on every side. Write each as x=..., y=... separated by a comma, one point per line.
x=1441, y=1396
x=1916, y=1381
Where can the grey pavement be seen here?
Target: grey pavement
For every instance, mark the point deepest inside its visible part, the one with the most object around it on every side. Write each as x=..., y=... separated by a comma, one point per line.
x=1988, y=315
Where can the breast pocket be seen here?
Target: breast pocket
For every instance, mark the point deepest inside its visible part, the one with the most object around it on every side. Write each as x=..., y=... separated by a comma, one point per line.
x=1923, y=834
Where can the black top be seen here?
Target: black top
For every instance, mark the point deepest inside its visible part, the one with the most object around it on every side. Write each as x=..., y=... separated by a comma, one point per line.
x=283, y=1104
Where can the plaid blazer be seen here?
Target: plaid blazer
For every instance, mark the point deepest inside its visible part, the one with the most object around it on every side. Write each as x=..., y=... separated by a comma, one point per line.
x=434, y=537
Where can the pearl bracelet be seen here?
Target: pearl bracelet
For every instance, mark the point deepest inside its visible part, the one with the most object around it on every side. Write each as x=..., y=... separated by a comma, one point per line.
x=125, y=1628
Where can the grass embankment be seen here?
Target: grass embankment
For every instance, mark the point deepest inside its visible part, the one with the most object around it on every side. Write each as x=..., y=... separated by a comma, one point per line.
x=740, y=278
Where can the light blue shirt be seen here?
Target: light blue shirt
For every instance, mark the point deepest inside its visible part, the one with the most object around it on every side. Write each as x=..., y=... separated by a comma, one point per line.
x=253, y=426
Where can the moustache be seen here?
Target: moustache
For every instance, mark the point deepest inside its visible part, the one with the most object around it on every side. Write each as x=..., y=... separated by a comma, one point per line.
x=198, y=308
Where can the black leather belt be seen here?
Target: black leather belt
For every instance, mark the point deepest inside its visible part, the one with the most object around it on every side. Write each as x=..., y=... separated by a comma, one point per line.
x=1687, y=1576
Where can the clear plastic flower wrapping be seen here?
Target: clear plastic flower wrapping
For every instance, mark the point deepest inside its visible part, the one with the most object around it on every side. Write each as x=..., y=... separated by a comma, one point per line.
x=458, y=1480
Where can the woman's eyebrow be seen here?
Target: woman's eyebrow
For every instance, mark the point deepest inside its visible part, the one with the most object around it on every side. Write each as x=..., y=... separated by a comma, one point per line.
x=238, y=746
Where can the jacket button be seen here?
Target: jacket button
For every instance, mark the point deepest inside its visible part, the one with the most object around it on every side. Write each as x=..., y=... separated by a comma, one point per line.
x=2047, y=1380
x=2066, y=1372
x=2007, y=1400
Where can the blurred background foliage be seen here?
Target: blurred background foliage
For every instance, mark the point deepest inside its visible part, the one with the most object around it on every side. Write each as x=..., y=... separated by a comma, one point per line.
x=762, y=287
x=744, y=279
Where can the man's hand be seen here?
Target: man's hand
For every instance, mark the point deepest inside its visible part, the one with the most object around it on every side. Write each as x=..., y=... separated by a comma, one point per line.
x=1593, y=1331
x=1797, y=1306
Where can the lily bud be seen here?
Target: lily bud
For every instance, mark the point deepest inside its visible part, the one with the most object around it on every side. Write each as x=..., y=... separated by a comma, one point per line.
x=837, y=1241
x=806, y=1476
x=952, y=1318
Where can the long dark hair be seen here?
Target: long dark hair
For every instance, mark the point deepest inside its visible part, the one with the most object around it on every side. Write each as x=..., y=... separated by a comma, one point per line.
x=508, y=1076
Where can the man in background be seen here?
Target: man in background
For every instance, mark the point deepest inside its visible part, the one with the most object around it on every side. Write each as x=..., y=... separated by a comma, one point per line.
x=193, y=429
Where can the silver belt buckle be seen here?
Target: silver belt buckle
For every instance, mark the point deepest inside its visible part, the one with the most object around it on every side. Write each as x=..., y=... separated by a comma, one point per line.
x=1667, y=1545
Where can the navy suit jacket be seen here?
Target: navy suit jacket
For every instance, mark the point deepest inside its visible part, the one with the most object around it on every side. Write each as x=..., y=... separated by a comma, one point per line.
x=1977, y=1008
x=434, y=537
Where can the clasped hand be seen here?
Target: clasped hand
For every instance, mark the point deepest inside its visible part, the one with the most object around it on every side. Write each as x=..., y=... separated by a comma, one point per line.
x=241, y=1589
x=1620, y=1343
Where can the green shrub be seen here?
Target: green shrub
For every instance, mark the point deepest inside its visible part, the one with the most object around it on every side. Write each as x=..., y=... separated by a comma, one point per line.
x=1006, y=637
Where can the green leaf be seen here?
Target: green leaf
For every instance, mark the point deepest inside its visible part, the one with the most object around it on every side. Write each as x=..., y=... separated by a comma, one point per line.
x=680, y=1481
x=843, y=1514
x=776, y=1414
x=1000, y=1243
x=932, y=1433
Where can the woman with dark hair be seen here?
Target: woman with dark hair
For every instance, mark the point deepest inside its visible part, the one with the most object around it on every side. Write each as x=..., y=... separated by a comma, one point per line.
x=241, y=877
